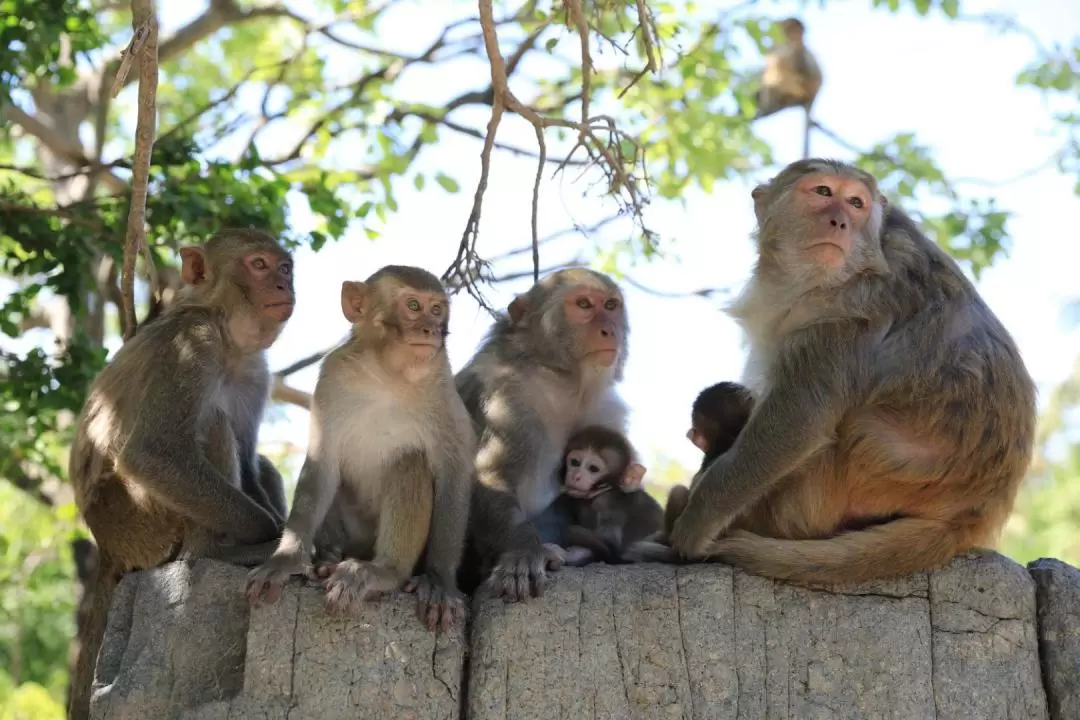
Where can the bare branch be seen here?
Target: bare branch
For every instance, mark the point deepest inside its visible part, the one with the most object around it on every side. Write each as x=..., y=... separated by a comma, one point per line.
x=144, y=21
x=706, y=292
x=303, y=363
x=280, y=392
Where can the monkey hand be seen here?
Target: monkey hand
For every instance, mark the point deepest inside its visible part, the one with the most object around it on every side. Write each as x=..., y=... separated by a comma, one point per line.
x=269, y=577
x=690, y=538
x=522, y=573
x=439, y=604
x=353, y=582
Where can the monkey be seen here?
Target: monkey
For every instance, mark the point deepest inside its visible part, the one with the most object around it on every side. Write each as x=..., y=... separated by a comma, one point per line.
x=791, y=78
x=717, y=416
x=388, y=472
x=597, y=463
x=164, y=463
x=548, y=366
x=893, y=415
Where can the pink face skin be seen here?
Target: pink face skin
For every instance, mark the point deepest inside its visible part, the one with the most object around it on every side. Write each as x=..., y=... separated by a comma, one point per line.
x=269, y=281
x=423, y=315
x=695, y=436
x=597, y=315
x=839, y=208
x=583, y=469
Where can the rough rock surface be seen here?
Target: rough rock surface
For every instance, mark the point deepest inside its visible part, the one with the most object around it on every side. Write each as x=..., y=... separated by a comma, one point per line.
x=645, y=641
x=1058, y=591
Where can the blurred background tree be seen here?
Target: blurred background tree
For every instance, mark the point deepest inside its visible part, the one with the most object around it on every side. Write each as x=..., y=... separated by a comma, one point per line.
x=353, y=119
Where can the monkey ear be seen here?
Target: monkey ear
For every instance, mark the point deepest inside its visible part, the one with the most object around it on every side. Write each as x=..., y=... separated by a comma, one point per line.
x=195, y=267
x=759, y=194
x=884, y=202
x=516, y=309
x=353, y=300
x=631, y=479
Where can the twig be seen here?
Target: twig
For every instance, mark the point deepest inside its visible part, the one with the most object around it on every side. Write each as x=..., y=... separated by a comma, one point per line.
x=144, y=20
x=303, y=363
x=284, y=393
x=128, y=54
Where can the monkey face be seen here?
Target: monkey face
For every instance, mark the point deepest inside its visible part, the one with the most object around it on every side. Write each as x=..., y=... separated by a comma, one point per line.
x=422, y=317
x=268, y=279
x=597, y=316
x=584, y=469
x=697, y=437
x=838, y=208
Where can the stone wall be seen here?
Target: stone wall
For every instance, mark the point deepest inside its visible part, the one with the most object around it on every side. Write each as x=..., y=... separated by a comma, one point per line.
x=983, y=638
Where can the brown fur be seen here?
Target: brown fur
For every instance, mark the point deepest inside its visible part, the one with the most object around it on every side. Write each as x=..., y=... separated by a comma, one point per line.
x=894, y=418
x=791, y=77
x=164, y=460
x=389, y=465
x=528, y=388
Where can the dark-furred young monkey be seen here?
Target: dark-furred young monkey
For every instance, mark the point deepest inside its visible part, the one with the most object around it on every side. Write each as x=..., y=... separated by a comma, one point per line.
x=602, y=497
x=547, y=368
x=164, y=460
x=894, y=418
x=791, y=77
x=389, y=468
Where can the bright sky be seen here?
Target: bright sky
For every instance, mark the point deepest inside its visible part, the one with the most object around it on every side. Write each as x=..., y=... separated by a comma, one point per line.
x=950, y=83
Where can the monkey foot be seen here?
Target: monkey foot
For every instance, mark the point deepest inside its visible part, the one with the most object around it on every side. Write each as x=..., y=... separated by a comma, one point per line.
x=353, y=582
x=521, y=574
x=271, y=576
x=437, y=604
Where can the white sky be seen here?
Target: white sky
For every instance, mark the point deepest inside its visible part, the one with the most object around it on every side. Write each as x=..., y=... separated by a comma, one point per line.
x=950, y=83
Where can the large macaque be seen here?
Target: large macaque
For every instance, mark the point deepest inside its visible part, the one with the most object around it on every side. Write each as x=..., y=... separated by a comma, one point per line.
x=791, y=77
x=164, y=461
x=389, y=469
x=547, y=368
x=893, y=419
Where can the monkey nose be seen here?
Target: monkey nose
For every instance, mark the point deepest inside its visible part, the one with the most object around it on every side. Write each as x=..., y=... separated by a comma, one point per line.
x=838, y=223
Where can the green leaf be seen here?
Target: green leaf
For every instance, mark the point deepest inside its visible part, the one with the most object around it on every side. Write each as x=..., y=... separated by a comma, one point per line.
x=447, y=183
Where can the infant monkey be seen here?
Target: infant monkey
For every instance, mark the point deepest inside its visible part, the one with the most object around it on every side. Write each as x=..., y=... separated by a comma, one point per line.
x=719, y=413
x=601, y=522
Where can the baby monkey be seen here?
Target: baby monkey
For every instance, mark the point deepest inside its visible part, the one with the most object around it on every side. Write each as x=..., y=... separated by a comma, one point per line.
x=717, y=416
x=601, y=522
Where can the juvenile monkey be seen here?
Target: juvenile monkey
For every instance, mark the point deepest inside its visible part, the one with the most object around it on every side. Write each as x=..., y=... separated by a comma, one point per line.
x=791, y=77
x=717, y=416
x=548, y=366
x=164, y=459
x=894, y=418
x=389, y=463
x=602, y=497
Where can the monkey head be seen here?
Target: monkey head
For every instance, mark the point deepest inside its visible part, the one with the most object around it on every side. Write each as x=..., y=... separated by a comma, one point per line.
x=820, y=220
x=598, y=459
x=574, y=317
x=718, y=415
x=402, y=309
x=793, y=30
x=245, y=272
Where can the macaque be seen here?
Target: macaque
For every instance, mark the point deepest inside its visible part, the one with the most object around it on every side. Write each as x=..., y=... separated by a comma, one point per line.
x=547, y=368
x=792, y=77
x=893, y=416
x=717, y=416
x=164, y=462
x=389, y=468
x=602, y=497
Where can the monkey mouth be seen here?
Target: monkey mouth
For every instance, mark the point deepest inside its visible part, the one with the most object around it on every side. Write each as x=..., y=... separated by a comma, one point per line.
x=605, y=357
x=281, y=310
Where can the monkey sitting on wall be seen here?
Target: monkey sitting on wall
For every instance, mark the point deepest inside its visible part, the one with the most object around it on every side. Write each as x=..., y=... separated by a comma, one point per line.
x=389, y=465
x=164, y=459
x=602, y=499
x=717, y=416
x=893, y=416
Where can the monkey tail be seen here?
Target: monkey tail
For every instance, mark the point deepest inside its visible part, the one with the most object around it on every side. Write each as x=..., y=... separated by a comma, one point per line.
x=893, y=549
x=90, y=639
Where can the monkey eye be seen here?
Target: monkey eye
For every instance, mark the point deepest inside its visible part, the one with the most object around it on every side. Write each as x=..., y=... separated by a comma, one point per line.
x=259, y=263
x=823, y=190
x=436, y=309
x=574, y=462
x=594, y=469
x=611, y=304
x=286, y=269
x=584, y=303
x=413, y=304
x=857, y=202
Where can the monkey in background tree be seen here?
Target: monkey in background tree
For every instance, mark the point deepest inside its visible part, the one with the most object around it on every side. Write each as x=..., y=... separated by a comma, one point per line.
x=547, y=368
x=164, y=460
x=389, y=468
x=894, y=418
x=791, y=77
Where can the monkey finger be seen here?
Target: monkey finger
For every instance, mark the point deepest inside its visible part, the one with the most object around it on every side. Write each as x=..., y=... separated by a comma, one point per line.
x=521, y=575
x=554, y=556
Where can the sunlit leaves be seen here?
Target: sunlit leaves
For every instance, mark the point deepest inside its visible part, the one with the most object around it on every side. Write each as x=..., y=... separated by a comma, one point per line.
x=30, y=47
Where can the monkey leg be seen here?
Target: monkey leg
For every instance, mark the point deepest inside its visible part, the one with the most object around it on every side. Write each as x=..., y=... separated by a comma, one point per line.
x=90, y=636
x=677, y=499
x=406, y=500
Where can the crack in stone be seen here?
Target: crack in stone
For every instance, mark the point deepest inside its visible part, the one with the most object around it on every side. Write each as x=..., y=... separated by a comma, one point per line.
x=682, y=641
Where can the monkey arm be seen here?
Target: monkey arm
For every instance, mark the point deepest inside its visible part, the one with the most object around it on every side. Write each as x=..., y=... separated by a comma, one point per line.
x=320, y=478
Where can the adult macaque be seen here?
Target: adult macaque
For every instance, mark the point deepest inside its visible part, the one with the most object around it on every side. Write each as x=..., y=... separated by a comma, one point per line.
x=717, y=416
x=547, y=368
x=602, y=497
x=389, y=470
x=791, y=77
x=164, y=459
x=893, y=417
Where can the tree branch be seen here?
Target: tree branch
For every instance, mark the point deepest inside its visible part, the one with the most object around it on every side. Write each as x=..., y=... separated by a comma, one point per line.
x=280, y=392
x=144, y=22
